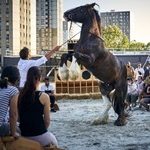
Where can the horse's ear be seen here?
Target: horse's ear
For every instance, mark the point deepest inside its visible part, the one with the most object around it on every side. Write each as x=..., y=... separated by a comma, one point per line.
x=92, y=5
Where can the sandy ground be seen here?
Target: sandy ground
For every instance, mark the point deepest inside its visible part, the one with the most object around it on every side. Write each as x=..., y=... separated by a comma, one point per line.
x=72, y=126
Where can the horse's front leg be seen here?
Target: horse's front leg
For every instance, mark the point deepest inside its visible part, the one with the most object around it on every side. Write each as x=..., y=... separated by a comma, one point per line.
x=103, y=119
x=119, y=106
x=89, y=59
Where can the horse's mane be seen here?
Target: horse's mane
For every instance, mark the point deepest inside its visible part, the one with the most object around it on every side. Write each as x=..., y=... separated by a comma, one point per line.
x=95, y=14
x=98, y=19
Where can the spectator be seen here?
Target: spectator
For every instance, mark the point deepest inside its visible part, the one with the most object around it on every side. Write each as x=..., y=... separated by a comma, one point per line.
x=139, y=71
x=147, y=71
x=24, y=63
x=130, y=71
x=140, y=85
x=33, y=109
x=145, y=95
x=8, y=100
x=49, y=89
x=132, y=94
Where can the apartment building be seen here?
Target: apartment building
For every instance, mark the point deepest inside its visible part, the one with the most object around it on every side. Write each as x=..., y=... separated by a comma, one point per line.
x=119, y=18
x=49, y=24
x=17, y=26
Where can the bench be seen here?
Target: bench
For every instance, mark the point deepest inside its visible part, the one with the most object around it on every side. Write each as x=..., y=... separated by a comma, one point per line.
x=21, y=143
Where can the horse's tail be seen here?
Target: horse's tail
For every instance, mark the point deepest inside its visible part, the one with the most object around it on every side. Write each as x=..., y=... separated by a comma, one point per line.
x=120, y=93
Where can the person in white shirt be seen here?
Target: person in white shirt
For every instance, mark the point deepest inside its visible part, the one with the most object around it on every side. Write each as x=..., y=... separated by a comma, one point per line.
x=139, y=71
x=49, y=89
x=25, y=63
x=132, y=94
x=140, y=85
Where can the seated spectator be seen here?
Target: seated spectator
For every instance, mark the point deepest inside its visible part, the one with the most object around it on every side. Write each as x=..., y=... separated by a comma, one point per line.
x=146, y=103
x=145, y=95
x=132, y=94
x=8, y=100
x=33, y=109
x=139, y=71
x=49, y=89
x=147, y=71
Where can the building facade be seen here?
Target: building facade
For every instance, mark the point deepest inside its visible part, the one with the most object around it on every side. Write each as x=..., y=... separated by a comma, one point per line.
x=49, y=24
x=119, y=18
x=17, y=26
x=65, y=33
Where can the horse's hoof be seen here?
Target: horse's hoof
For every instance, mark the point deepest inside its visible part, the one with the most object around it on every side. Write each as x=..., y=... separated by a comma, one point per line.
x=100, y=121
x=120, y=122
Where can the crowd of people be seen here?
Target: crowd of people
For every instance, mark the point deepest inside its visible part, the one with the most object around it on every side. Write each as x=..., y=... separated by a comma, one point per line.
x=30, y=106
x=138, y=86
x=26, y=104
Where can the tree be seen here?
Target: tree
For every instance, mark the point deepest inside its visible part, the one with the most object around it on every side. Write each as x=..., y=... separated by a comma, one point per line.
x=147, y=47
x=114, y=38
x=136, y=45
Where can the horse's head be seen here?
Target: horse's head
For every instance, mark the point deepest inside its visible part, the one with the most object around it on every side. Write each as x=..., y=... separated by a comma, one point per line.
x=79, y=14
x=86, y=15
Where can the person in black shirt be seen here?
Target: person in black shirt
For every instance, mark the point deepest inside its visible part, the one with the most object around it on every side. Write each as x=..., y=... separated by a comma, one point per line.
x=33, y=109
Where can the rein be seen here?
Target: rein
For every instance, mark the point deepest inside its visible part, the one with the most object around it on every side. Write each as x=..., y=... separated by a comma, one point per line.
x=69, y=39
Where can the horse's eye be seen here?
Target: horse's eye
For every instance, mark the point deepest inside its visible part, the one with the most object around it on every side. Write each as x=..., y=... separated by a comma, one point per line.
x=69, y=16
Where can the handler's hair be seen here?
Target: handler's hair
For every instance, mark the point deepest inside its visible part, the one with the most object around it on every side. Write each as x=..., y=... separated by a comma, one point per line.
x=24, y=53
x=27, y=94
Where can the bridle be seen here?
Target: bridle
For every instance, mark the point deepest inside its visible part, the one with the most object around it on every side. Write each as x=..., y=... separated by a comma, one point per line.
x=80, y=31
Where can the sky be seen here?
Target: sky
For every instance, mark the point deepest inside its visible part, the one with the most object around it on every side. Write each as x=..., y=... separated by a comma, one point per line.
x=139, y=14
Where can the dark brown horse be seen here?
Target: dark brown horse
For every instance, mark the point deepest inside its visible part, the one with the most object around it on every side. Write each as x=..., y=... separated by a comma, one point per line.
x=90, y=52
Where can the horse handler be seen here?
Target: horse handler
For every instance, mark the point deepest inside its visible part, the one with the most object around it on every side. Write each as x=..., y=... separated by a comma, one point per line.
x=25, y=63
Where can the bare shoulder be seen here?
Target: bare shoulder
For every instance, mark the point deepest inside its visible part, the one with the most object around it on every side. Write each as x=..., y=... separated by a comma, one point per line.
x=44, y=98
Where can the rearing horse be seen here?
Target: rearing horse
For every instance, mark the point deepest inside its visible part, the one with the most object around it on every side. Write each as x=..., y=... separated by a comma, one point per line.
x=91, y=53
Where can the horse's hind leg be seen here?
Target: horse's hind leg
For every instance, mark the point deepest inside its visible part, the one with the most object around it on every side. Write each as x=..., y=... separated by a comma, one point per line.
x=103, y=119
x=119, y=103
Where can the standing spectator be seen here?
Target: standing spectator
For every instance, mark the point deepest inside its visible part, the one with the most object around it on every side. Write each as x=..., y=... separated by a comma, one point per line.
x=33, y=109
x=130, y=71
x=24, y=63
x=8, y=100
x=49, y=89
x=139, y=71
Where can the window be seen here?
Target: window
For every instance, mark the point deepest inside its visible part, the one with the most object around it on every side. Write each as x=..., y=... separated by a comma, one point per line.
x=7, y=2
x=7, y=28
x=7, y=10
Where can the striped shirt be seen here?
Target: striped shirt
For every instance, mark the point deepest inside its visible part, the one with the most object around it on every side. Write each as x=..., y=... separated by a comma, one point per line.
x=5, y=97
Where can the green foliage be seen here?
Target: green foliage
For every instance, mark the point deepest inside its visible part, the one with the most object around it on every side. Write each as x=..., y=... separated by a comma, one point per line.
x=147, y=46
x=114, y=38
x=137, y=45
